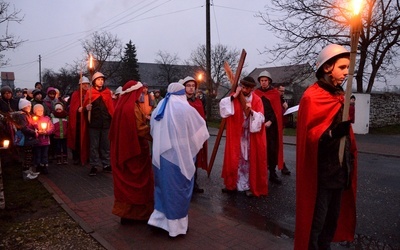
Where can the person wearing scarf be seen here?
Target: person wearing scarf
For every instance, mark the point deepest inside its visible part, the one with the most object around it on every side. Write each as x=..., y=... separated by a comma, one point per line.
x=130, y=157
x=99, y=110
x=325, y=189
x=178, y=133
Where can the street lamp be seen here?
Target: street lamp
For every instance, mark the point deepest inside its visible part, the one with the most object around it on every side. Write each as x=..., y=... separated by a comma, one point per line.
x=355, y=30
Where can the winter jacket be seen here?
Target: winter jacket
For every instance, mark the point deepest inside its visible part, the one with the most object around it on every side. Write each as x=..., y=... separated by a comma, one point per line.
x=60, y=121
x=44, y=134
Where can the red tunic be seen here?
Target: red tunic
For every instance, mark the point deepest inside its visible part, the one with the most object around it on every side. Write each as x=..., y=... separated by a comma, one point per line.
x=201, y=158
x=274, y=98
x=258, y=151
x=90, y=97
x=130, y=159
x=317, y=111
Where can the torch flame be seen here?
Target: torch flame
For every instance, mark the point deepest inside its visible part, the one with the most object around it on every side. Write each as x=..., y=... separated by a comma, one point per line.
x=200, y=76
x=90, y=62
x=356, y=6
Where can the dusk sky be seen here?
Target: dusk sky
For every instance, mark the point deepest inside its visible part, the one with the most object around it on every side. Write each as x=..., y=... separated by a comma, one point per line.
x=56, y=29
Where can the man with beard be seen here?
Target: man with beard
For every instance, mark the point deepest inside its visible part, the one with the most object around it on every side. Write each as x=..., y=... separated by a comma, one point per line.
x=244, y=168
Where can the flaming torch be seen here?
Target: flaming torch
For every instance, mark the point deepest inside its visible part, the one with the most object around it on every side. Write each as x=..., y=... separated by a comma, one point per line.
x=91, y=71
x=355, y=30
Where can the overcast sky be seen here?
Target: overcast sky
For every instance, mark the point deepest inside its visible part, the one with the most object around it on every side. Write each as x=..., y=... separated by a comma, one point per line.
x=55, y=30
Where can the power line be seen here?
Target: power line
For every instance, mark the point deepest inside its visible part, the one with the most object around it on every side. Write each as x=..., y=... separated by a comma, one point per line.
x=72, y=43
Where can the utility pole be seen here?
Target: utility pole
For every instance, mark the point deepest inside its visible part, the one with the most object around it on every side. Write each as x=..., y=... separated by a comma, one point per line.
x=40, y=69
x=208, y=60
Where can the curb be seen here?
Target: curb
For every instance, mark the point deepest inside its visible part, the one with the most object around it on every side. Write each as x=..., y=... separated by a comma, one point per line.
x=45, y=182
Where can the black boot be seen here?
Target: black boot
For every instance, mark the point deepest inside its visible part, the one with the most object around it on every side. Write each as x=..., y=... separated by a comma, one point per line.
x=285, y=170
x=273, y=177
x=39, y=168
x=44, y=169
x=59, y=159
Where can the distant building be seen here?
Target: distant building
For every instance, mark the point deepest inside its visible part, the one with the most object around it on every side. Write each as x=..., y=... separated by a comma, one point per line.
x=7, y=79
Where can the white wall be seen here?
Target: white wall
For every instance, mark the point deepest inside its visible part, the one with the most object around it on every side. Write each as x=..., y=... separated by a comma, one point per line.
x=362, y=109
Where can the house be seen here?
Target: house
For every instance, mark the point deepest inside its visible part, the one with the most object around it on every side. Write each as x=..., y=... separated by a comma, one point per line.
x=7, y=79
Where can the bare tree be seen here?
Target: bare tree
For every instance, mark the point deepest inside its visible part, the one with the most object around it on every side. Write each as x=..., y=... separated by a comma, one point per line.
x=104, y=47
x=66, y=80
x=7, y=40
x=305, y=26
x=219, y=54
x=169, y=71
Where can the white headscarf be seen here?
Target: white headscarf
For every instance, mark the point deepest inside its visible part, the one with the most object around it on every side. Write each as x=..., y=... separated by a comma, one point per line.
x=180, y=133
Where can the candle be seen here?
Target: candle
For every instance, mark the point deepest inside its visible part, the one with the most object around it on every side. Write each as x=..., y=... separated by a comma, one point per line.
x=6, y=143
x=35, y=118
x=43, y=125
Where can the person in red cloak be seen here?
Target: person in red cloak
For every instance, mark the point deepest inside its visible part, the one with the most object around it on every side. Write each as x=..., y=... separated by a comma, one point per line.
x=130, y=157
x=74, y=122
x=245, y=160
x=273, y=123
x=201, y=158
x=99, y=109
x=325, y=189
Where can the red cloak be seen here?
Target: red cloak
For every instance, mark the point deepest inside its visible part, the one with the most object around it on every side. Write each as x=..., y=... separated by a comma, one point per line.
x=258, y=151
x=201, y=158
x=130, y=158
x=317, y=111
x=274, y=98
x=74, y=105
x=91, y=95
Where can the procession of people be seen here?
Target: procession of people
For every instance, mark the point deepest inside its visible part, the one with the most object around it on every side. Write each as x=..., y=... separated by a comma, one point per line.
x=154, y=146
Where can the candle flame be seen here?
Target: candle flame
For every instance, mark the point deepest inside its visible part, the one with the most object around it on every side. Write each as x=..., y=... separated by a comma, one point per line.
x=356, y=6
x=43, y=125
x=6, y=143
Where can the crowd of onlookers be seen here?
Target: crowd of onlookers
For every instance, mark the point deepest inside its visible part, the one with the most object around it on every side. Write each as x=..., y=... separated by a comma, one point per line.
x=37, y=124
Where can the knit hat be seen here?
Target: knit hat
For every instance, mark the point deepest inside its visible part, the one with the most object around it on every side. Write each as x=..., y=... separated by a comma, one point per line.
x=248, y=81
x=51, y=89
x=36, y=92
x=23, y=103
x=37, y=107
x=5, y=89
x=58, y=106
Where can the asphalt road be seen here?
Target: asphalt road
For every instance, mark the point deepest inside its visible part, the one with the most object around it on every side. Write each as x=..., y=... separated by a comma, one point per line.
x=378, y=206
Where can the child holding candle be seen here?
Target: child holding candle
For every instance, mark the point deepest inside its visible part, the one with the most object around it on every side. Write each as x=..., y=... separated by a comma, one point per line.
x=59, y=118
x=26, y=126
x=44, y=128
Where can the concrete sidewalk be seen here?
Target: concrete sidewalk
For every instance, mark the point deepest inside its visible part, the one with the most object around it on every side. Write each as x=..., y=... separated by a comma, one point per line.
x=89, y=201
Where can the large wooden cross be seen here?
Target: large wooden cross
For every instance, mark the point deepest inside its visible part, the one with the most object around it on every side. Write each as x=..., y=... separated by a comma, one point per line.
x=234, y=81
